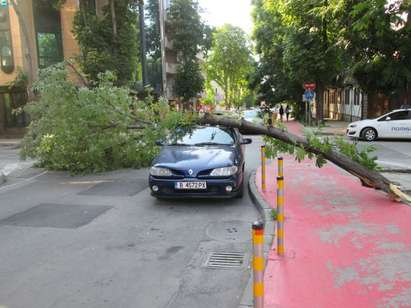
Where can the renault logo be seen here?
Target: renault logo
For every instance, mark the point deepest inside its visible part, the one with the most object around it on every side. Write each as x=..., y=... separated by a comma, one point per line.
x=190, y=172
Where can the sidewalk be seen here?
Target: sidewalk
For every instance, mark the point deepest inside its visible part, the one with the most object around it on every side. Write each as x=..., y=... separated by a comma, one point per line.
x=10, y=159
x=346, y=245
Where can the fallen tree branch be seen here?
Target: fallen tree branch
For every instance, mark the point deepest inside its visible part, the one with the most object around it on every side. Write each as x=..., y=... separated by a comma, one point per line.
x=368, y=177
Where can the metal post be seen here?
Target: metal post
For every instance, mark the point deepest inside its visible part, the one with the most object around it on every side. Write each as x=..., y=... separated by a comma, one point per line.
x=280, y=216
x=142, y=42
x=258, y=264
x=263, y=169
x=280, y=166
x=161, y=17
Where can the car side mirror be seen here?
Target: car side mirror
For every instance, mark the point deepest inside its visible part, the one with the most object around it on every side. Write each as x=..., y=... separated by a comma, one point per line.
x=159, y=142
x=388, y=119
x=246, y=141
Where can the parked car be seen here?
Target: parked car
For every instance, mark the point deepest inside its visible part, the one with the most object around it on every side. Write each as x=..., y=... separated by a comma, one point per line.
x=204, y=161
x=253, y=115
x=396, y=124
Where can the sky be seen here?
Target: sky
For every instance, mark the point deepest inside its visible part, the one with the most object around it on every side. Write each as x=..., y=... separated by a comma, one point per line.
x=235, y=12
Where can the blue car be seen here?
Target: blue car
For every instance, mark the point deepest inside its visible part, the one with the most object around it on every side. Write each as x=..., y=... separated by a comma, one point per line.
x=202, y=161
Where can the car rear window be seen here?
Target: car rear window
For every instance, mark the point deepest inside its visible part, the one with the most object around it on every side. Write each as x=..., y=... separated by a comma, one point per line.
x=209, y=135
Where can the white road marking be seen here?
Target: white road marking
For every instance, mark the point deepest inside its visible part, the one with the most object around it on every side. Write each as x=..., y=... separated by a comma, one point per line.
x=22, y=183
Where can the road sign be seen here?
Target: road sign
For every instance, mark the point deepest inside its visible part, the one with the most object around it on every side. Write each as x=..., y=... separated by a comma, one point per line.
x=310, y=86
x=309, y=95
x=3, y=2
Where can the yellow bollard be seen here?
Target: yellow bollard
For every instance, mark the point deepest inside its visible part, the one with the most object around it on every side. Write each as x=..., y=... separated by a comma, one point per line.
x=258, y=264
x=280, y=166
x=280, y=216
x=263, y=168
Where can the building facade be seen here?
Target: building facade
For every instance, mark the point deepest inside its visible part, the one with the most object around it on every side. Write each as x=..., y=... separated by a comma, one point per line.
x=33, y=35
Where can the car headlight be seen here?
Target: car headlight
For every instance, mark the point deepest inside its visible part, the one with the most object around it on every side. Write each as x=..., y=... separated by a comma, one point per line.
x=158, y=171
x=353, y=125
x=226, y=171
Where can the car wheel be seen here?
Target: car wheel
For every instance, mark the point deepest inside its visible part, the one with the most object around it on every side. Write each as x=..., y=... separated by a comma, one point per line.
x=240, y=192
x=369, y=134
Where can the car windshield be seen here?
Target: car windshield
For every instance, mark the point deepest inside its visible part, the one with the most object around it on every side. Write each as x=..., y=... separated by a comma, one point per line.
x=202, y=136
x=250, y=114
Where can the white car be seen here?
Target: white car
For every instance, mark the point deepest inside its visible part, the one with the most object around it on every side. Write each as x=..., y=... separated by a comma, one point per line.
x=396, y=124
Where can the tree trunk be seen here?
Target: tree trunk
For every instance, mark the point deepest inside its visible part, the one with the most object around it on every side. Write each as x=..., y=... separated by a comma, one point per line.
x=368, y=177
x=113, y=19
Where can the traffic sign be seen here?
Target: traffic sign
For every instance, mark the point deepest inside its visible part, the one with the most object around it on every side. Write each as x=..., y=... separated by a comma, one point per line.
x=309, y=95
x=3, y=2
x=309, y=86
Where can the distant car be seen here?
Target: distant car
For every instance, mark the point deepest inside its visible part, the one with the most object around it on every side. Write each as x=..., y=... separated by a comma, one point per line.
x=396, y=124
x=204, y=161
x=253, y=115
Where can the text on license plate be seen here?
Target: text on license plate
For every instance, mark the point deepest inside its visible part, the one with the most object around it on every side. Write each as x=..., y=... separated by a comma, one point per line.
x=191, y=185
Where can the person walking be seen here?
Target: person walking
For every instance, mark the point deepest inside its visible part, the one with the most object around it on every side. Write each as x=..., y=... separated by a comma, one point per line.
x=287, y=112
x=281, y=112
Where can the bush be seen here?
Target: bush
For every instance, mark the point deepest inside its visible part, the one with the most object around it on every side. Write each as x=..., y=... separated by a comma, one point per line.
x=84, y=130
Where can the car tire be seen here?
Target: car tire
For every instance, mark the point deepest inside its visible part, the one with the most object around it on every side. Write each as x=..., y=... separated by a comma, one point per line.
x=369, y=134
x=240, y=192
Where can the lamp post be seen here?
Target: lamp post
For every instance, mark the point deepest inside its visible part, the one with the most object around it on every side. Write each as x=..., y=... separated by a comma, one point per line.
x=142, y=42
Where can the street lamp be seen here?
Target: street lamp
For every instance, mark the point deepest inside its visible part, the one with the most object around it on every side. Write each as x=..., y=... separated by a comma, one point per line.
x=142, y=42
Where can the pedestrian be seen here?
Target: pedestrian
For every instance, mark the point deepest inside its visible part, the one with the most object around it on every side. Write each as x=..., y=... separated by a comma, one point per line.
x=281, y=112
x=287, y=112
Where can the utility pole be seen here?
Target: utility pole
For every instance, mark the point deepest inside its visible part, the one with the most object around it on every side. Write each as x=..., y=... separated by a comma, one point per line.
x=142, y=42
x=163, y=48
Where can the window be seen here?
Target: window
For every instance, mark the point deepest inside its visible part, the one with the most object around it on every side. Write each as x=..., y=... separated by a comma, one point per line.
x=48, y=34
x=400, y=115
x=203, y=135
x=6, y=49
x=347, y=96
x=48, y=48
x=396, y=116
x=356, y=97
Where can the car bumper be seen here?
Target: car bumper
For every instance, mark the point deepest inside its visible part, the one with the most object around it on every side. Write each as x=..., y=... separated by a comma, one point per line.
x=216, y=188
x=353, y=132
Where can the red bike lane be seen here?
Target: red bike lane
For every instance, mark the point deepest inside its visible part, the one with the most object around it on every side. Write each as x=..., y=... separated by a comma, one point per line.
x=346, y=245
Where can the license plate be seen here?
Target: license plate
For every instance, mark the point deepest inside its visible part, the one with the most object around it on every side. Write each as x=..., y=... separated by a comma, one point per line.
x=191, y=185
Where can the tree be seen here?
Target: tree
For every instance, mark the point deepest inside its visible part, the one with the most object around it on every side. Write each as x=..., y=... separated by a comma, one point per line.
x=376, y=37
x=305, y=47
x=229, y=63
x=109, y=42
x=88, y=130
x=188, y=35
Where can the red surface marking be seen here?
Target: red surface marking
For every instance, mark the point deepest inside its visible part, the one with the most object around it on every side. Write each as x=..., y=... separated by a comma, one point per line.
x=315, y=272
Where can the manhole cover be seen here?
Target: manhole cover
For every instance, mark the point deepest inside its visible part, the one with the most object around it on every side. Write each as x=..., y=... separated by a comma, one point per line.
x=56, y=216
x=116, y=189
x=230, y=231
x=225, y=260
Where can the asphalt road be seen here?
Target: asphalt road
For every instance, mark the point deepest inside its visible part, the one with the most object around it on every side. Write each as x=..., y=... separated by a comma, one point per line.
x=103, y=241
x=392, y=153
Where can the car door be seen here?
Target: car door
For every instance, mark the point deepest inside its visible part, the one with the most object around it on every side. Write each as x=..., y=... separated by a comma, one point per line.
x=398, y=124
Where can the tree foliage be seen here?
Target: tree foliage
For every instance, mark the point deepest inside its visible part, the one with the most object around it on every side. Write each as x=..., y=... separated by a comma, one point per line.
x=102, y=48
x=378, y=41
x=330, y=42
x=189, y=37
x=91, y=130
x=230, y=64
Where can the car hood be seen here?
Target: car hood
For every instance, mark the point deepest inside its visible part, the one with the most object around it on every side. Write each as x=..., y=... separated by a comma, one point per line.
x=184, y=158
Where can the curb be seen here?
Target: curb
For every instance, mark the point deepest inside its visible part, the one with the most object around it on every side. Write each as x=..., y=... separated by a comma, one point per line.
x=269, y=226
x=2, y=178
